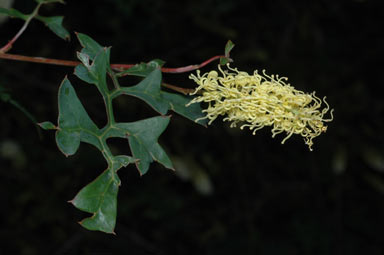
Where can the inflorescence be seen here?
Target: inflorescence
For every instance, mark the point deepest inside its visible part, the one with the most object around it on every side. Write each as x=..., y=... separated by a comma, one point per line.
x=260, y=100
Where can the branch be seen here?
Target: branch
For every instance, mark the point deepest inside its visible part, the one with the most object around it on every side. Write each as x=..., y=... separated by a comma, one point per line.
x=40, y=60
x=8, y=46
x=184, y=69
x=118, y=67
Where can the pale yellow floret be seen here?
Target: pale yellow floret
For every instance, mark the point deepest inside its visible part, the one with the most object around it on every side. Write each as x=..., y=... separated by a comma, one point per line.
x=260, y=100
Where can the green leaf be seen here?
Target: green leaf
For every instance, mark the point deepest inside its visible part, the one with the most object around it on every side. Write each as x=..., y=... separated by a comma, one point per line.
x=95, y=72
x=142, y=136
x=159, y=62
x=55, y=24
x=100, y=198
x=47, y=125
x=142, y=69
x=14, y=13
x=90, y=46
x=177, y=104
x=123, y=161
x=228, y=47
x=224, y=61
x=148, y=90
x=83, y=74
x=68, y=141
x=74, y=124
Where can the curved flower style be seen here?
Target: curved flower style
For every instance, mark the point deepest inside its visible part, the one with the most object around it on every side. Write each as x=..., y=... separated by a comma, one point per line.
x=261, y=100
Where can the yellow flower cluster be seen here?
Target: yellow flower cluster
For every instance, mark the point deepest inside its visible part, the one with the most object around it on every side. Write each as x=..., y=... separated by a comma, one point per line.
x=261, y=100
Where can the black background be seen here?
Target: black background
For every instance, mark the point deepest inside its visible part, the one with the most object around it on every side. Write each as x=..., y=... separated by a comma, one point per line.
x=266, y=198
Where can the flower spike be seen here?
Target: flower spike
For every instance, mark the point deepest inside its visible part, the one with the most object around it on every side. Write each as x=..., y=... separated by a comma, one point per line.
x=260, y=100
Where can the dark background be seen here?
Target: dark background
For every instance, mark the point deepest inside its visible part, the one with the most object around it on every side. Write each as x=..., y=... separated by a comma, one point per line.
x=232, y=193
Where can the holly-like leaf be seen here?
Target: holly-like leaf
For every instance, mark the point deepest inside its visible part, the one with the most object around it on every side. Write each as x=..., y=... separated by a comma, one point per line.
x=177, y=104
x=142, y=136
x=74, y=124
x=100, y=198
x=55, y=23
x=90, y=46
x=96, y=72
x=149, y=90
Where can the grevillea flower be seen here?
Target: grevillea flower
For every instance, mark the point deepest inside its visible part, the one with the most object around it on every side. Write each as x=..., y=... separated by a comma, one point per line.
x=260, y=100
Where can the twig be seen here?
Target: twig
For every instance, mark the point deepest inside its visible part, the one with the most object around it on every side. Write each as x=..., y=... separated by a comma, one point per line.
x=191, y=67
x=40, y=60
x=118, y=67
x=8, y=46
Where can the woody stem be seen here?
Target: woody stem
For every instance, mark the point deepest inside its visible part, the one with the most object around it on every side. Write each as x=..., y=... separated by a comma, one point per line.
x=118, y=67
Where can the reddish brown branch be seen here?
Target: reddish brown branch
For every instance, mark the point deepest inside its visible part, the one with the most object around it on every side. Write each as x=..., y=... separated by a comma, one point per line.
x=190, y=67
x=40, y=60
x=8, y=46
x=118, y=67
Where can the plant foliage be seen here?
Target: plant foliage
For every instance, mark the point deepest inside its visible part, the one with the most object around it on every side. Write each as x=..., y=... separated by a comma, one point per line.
x=75, y=126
